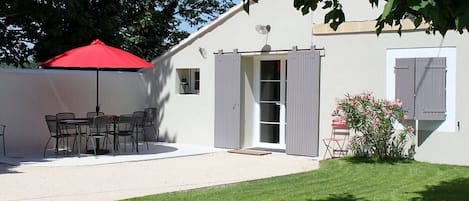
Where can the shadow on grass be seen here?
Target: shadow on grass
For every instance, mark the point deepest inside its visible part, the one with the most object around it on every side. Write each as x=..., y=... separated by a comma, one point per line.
x=456, y=189
x=340, y=197
x=376, y=160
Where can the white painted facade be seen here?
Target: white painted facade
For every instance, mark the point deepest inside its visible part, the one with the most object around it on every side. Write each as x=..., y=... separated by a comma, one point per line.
x=352, y=63
x=190, y=118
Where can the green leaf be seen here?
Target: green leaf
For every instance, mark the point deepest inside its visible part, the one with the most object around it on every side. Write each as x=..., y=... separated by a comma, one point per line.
x=387, y=9
x=335, y=17
x=418, y=21
x=246, y=6
x=327, y=4
x=374, y=3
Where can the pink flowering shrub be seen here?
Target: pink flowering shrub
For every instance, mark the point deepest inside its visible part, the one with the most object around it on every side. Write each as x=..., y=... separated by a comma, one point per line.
x=373, y=121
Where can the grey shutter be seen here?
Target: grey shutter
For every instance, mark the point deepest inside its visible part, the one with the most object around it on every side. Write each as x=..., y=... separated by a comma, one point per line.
x=302, y=130
x=430, y=88
x=227, y=100
x=404, y=88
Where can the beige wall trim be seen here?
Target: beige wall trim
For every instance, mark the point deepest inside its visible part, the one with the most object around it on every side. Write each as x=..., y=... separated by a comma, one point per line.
x=364, y=27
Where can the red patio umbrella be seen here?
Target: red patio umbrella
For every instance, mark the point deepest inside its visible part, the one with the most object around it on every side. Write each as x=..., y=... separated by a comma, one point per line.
x=97, y=55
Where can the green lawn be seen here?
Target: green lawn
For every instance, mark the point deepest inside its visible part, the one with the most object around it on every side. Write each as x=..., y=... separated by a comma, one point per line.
x=346, y=180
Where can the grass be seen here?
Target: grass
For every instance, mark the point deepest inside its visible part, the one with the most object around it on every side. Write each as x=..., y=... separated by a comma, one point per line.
x=345, y=180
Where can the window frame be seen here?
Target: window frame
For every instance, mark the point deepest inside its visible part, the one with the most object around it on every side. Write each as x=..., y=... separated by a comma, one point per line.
x=188, y=75
x=448, y=125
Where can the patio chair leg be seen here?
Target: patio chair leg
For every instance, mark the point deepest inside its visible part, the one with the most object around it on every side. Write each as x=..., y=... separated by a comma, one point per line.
x=45, y=148
x=145, y=139
x=94, y=147
x=3, y=141
x=125, y=145
x=73, y=144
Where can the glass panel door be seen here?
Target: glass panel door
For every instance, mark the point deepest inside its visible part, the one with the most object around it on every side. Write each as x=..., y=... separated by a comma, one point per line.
x=272, y=74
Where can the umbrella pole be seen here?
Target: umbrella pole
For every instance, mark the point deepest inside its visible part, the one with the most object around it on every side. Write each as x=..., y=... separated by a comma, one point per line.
x=97, y=90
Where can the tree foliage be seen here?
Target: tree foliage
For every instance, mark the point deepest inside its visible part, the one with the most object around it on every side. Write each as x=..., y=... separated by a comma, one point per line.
x=440, y=15
x=36, y=30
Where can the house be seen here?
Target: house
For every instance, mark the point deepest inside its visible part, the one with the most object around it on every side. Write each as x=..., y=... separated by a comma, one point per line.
x=271, y=79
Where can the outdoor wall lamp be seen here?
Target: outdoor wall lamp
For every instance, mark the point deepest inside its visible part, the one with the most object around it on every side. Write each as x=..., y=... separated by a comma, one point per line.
x=203, y=52
x=263, y=29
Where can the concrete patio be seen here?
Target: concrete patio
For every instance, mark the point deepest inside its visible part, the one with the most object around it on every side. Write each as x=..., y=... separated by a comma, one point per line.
x=156, y=151
x=166, y=167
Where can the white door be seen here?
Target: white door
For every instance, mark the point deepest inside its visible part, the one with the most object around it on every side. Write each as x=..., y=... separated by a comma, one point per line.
x=270, y=103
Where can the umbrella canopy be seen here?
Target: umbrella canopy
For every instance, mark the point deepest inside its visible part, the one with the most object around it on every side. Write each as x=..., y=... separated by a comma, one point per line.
x=97, y=55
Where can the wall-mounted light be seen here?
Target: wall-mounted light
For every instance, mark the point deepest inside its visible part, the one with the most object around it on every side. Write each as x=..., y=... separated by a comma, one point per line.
x=263, y=29
x=203, y=52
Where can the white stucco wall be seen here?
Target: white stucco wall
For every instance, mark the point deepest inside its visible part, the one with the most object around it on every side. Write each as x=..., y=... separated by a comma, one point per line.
x=355, y=63
x=354, y=11
x=190, y=118
x=28, y=95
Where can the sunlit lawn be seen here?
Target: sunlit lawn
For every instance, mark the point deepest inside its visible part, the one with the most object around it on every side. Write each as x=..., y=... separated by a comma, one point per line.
x=346, y=180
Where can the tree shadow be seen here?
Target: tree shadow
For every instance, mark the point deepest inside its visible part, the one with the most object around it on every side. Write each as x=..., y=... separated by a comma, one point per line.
x=456, y=189
x=339, y=197
x=156, y=79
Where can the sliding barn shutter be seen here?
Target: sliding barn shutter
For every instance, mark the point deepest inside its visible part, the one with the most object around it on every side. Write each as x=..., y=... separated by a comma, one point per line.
x=302, y=129
x=227, y=100
x=430, y=88
x=405, y=74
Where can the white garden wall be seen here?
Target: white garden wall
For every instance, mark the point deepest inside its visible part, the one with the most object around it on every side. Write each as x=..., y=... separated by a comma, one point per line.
x=27, y=95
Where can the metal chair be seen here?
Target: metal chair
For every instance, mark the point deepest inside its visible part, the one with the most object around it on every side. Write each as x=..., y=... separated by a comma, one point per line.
x=53, y=126
x=66, y=131
x=2, y=134
x=125, y=128
x=99, y=129
x=138, y=124
x=337, y=143
x=90, y=116
x=150, y=121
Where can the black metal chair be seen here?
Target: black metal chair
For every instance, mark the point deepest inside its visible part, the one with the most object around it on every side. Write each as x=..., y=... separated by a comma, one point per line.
x=139, y=125
x=99, y=129
x=90, y=116
x=66, y=131
x=52, y=124
x=150, y=121
x=125, y=129
x=2, y=134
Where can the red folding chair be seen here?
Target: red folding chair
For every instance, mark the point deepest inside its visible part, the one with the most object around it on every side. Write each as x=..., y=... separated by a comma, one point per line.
x=337, y=143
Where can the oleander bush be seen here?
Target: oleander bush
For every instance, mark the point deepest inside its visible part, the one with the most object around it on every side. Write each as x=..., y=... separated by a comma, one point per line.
x=374, y=120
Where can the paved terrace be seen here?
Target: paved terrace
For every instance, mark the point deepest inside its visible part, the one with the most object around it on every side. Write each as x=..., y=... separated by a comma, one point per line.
x=164, y=168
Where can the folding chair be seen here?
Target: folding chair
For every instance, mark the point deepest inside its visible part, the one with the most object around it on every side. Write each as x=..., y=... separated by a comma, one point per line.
x=337, y=143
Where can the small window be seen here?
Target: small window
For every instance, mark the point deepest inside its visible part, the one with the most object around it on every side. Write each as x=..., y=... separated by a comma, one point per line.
x=188, y=81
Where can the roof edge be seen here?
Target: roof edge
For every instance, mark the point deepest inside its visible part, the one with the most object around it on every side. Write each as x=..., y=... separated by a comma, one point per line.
x=201, y=32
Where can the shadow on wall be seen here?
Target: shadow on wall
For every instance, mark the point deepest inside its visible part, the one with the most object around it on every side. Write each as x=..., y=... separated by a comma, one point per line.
x=166, y=137
x=156, y=80
x=426, y=128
